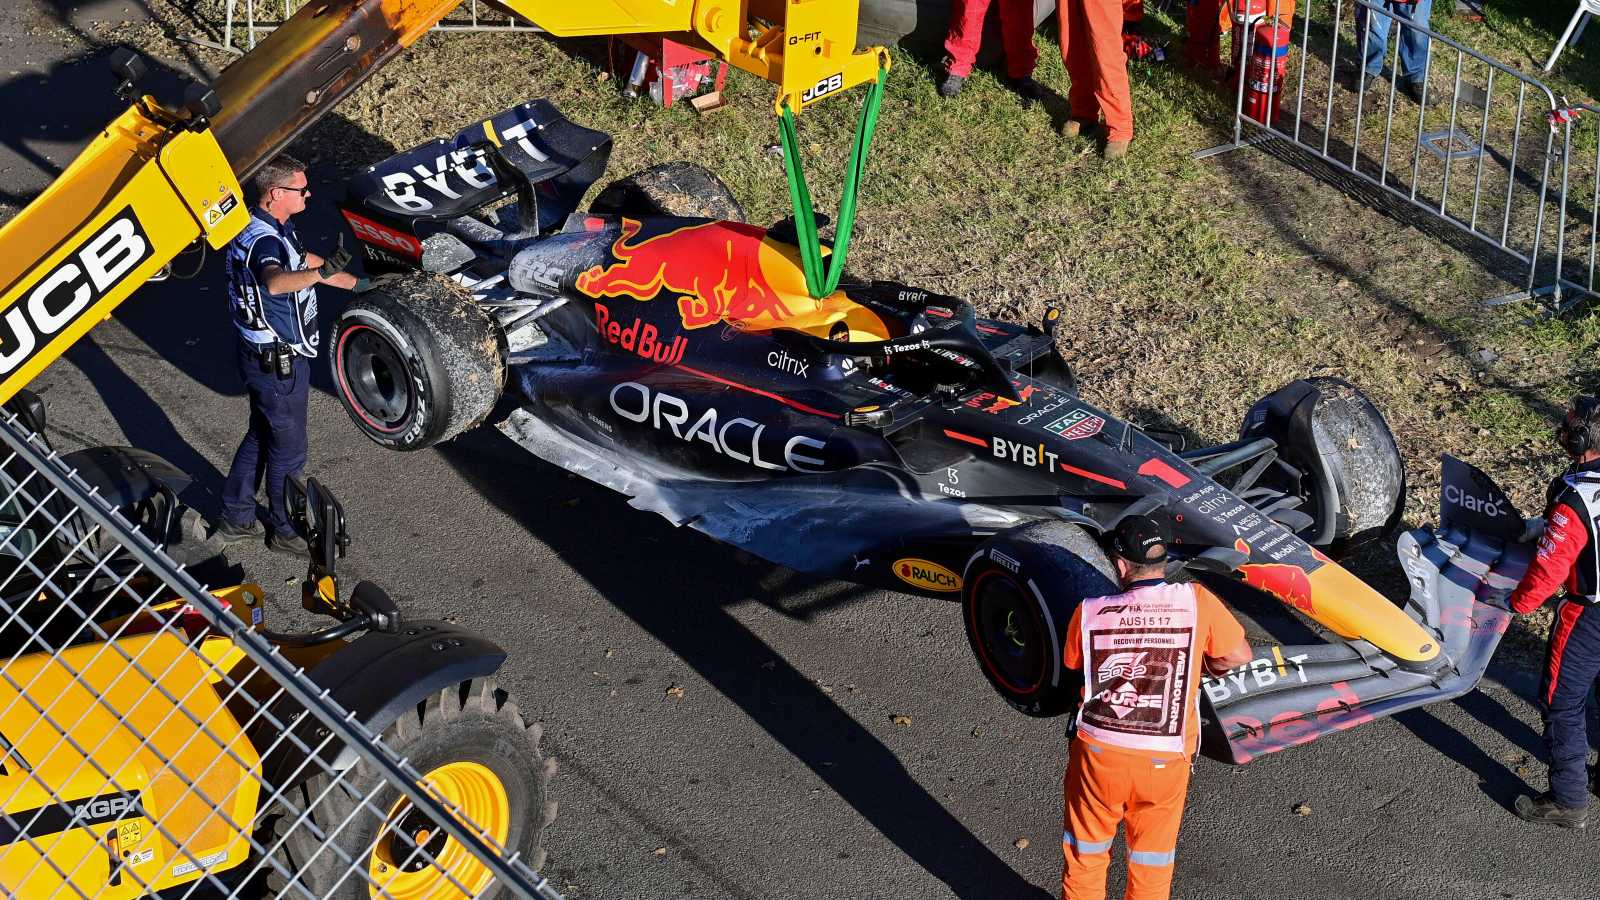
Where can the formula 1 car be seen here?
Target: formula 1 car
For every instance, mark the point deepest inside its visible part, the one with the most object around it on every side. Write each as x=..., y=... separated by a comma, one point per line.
x=884, y=434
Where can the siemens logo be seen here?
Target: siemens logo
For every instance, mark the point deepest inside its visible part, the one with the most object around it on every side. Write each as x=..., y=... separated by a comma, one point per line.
x=72, y=288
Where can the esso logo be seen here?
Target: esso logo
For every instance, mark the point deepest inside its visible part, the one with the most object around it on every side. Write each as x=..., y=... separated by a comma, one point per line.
x=1485, y=507
x=373, y=233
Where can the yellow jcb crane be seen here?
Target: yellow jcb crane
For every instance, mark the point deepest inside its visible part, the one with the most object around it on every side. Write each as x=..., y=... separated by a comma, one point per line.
x=158, y=179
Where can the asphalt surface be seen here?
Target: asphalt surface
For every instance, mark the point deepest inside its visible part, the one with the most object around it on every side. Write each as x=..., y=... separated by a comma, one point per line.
x=779, y=771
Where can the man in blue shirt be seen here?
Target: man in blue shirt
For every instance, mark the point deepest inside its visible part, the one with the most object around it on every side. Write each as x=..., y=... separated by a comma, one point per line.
x=272, y=282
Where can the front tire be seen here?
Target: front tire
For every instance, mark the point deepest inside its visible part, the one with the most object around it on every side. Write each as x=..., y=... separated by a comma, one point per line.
x=416, y=362
x=1018, y=594
x=1353, y=479
x=361, y=834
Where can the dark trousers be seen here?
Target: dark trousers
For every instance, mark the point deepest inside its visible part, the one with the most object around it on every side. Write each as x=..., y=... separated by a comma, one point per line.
x=1572, y=663
x=274, y=446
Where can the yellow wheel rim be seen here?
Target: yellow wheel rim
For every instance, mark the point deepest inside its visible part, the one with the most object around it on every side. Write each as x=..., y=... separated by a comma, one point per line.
x=399, y=869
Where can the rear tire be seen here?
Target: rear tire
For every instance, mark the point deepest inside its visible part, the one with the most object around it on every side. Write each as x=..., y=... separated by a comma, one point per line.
x=472, y=728
x=417, y=361
x=679, y=189
x=1018, y=594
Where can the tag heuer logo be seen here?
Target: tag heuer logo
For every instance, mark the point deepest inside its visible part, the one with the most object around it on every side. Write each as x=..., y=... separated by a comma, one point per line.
x=1077, y=425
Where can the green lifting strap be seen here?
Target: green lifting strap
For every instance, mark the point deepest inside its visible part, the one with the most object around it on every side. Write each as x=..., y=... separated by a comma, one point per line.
x=819, y=283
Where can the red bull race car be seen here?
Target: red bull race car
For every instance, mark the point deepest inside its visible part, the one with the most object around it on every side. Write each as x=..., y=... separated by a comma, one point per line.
x=659, y=345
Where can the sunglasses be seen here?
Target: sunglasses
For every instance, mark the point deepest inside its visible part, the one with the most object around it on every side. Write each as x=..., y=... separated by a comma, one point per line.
x=302, y=191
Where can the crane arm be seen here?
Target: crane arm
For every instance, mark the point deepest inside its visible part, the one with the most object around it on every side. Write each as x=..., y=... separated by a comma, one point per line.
x=156, y=180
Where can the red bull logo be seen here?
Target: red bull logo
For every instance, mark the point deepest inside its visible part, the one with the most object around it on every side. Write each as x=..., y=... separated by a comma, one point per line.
x=1291, y=584
x=714, y=268
x=641, y=337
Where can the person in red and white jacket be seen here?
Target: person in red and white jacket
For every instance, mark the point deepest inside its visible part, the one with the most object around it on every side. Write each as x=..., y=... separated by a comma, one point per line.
x=1568, y=558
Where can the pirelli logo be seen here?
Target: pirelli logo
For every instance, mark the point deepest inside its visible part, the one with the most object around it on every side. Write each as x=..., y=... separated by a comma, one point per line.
x=89, y=272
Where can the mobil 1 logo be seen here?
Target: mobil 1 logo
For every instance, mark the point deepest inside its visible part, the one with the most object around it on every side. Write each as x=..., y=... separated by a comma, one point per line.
x=87, y=274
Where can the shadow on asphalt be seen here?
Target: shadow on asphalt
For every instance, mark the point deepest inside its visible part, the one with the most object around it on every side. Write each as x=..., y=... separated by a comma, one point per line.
x=679, y=587
x=1499, y=782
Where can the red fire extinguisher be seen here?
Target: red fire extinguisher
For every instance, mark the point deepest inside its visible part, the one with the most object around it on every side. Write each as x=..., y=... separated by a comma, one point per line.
x=1269, y=65
x=1245, y=14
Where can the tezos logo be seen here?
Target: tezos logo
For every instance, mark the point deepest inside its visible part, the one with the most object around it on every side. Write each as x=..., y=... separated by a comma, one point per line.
x=823, y=88
x=74, y=286
x=930, y=576
x=1482, y=505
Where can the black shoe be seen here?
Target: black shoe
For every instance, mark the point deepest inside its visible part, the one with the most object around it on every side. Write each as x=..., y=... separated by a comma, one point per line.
x=1413, y=89
x=1544, y=810
x=1354, y=80
x=230, y=533
x=951, y=85
x=289, y=544
x=1027, y=88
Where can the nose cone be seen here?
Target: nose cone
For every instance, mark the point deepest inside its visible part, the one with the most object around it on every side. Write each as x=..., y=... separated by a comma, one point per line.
x=1353, y=610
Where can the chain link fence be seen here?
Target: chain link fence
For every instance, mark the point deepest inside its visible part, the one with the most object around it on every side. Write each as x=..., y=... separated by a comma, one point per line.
x=156, y=737
x=245, y=21
x=1474, y=145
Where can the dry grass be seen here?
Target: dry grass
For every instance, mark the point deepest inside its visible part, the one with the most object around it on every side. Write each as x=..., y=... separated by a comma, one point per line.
x=1189, y=288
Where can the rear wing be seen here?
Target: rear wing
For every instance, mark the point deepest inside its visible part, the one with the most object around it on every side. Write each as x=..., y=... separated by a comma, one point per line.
x=530, y=151
x=1459, y=574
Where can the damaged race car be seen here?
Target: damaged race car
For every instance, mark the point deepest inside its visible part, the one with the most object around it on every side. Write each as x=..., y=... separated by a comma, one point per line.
x=659, y=345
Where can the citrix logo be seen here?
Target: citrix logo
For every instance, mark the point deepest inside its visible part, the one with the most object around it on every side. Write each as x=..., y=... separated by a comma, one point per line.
x=783, y=362
x=69, y=290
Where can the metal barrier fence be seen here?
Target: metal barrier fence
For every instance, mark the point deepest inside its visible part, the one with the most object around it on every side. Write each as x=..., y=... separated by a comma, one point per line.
x=153, y=739
x=1488, y=150
x=256, y=19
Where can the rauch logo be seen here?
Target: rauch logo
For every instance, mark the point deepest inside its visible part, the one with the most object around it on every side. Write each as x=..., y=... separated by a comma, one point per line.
x=930, y=576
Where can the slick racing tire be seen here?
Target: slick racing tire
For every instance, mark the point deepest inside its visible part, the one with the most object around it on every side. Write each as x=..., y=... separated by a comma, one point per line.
x=470, y=742
x=1353, y=479
x=1018, y=594
x=416, y=361
x=680, y=189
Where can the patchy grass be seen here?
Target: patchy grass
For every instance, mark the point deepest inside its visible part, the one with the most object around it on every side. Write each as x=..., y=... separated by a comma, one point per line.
x=1189, y=288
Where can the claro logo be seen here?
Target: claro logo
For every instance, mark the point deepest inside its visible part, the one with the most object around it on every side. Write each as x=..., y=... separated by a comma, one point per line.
x=1480, y=505
x=88, y=273
x=930, y=576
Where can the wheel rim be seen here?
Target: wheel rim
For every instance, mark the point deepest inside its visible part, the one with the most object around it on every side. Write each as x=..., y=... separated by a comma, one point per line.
x=374, y=378
x=399, y=870
x=1008, y=633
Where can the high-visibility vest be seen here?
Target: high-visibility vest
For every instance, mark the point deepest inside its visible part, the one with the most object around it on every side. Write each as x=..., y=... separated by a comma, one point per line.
x=259, y=315
x=1138, y=658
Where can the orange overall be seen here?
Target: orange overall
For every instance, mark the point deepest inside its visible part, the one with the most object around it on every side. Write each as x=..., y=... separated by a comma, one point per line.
x=1091, y=46
x=1137, y=730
